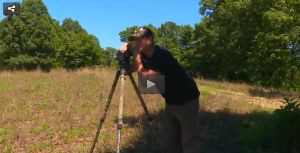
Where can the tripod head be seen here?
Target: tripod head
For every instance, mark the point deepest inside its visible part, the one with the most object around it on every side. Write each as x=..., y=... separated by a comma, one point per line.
x=123, y=59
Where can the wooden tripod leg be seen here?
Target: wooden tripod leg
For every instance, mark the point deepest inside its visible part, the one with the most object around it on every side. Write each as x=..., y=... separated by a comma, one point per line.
x=120, y=114
x=149, y=117
x=140, y=97
x=103, y=115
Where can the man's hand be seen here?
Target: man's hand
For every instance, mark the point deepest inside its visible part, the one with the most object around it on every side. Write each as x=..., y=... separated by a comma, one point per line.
x=124, y=47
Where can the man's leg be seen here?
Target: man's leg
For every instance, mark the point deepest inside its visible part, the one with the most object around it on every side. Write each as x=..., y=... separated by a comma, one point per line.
x=188, y=117
x=172, y=133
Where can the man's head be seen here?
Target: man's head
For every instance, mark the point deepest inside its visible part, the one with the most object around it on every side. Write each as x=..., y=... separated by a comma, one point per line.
x=143, y=38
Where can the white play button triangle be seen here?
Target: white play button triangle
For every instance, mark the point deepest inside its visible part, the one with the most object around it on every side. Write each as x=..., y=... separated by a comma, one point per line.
x=150, y=84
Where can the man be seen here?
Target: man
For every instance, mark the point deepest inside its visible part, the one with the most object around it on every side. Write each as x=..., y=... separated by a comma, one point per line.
x=181, y=92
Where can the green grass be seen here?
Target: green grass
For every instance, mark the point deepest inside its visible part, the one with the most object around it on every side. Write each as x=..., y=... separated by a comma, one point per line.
x=58, y=112
x=5, y=134
x=73, y=133
x=40, y=146
x=3, y=86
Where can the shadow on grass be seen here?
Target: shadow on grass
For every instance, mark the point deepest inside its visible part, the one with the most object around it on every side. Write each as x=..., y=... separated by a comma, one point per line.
x=219, y=131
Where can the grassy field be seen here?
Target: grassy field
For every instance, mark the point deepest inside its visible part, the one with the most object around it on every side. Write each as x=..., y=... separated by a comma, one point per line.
x=58, y=112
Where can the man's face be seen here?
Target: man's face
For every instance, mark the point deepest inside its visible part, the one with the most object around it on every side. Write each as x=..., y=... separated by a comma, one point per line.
x=144, y=43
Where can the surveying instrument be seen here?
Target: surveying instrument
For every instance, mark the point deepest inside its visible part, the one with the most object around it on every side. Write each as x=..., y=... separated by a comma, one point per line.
x=122, y=72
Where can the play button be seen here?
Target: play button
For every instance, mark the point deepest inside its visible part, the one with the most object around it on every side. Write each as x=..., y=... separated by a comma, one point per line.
x=151, y=84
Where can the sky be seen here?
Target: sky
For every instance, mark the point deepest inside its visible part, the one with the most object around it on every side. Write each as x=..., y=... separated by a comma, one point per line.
x=106, y=18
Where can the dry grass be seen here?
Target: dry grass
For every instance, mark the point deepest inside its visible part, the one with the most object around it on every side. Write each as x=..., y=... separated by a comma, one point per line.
x=58, y=111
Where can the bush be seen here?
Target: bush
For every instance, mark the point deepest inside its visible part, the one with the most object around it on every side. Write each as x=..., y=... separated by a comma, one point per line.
x=286, y=128
x=278, y=133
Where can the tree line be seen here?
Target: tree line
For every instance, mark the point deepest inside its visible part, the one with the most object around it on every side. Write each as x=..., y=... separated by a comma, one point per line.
x=254, y=41
x=34, y=40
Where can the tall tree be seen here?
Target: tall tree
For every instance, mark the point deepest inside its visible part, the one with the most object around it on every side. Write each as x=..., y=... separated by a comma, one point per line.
x=29, y=39
x=259, y=35
x=33, y=39
x=79, y=49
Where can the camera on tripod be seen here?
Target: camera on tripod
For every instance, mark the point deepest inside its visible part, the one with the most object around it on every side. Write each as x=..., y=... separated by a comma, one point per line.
x=124, y=58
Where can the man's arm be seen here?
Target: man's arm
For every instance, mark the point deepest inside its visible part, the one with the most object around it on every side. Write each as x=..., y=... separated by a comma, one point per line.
x=139, y=66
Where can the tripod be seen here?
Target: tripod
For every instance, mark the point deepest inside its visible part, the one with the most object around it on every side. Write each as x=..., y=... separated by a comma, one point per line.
x=121, y=73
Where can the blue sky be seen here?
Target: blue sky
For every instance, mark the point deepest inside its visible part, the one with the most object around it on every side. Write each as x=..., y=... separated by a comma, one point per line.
x=106, y=18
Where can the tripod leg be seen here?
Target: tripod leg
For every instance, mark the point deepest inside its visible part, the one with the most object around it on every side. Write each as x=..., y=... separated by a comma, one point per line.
x=140, y=98
x=120, y=114
x=150, y=119
x=103, y=116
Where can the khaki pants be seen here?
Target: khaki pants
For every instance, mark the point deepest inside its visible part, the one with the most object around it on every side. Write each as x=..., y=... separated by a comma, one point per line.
x=180, y=128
